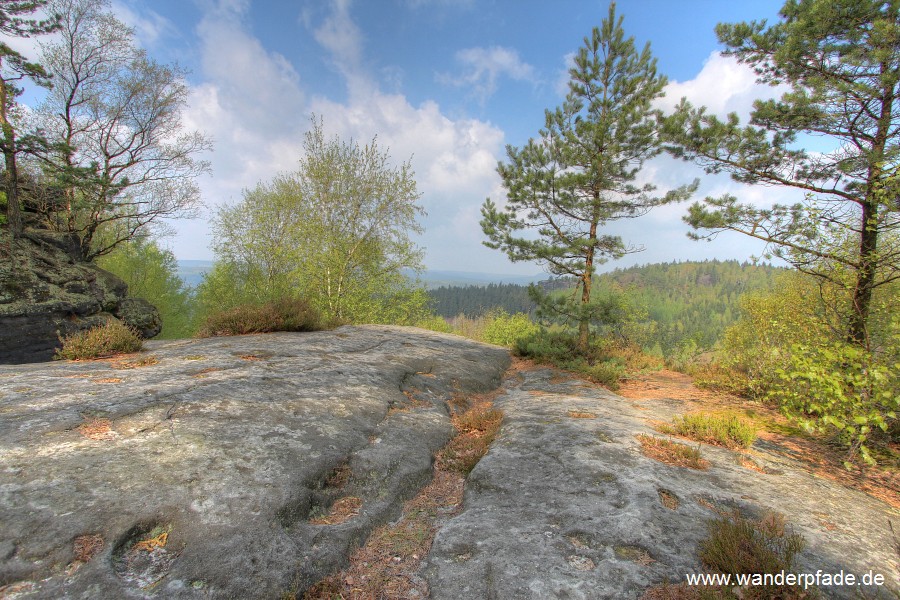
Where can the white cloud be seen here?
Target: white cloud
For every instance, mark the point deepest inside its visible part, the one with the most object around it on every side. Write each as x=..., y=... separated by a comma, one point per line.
x=340, y=36
x=149, y=26
x=562, y=81
x=483, y=67
x=723, y=85
x=253, y=102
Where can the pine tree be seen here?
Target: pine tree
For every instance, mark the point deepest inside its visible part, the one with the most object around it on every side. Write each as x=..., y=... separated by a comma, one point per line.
x=580, y=172
x=16, y=20
x=841, y=59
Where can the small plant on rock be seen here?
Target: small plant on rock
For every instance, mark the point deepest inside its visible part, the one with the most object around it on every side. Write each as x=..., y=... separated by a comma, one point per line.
x=672, y=453
x=102, y=341
x=738, y=545
x=726, y=429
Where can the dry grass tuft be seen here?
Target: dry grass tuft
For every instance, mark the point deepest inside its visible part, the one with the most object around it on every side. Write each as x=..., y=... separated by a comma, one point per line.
x=341, y=511
x=286, y=314
x=672, y=453
x=737, y=545
x=134, y=364
x=668, y=499
x=152, y=543
x=87, y=547
x=581, y=415
x=107, y=380
x=634, y=554
x=106, y=340
x=477, y=429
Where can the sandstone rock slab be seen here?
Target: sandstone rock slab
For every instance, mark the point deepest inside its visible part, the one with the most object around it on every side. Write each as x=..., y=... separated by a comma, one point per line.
x=565, y=505
x=201, y=475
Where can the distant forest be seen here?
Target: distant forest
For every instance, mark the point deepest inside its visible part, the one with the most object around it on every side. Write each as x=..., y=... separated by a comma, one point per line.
x=691, y=303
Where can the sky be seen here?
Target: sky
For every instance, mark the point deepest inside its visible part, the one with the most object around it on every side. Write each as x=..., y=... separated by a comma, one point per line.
x=447, y=84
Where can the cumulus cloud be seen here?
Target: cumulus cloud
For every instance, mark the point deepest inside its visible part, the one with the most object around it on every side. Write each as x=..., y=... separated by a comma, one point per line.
x=483, y=67
x=723, y=85
x=149, y=26
x=251, y=103
x=254, y=104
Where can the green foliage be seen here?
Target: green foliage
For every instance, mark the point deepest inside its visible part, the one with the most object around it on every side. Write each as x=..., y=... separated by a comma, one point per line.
x=97, y=342
x=738, y=545
x=505, y=329
x=790, y=348
x=841, y=60
x=434, y=323
x=726, y=429
x=678, y=310
x=151, y=274
x=284, y=314
x=600, y=363
x=579, y=173
x=335, y=232
x=839, y=386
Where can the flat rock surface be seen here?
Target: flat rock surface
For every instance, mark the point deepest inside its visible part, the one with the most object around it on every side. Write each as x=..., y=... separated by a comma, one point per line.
x=565, y=505
x=249, y=467
x=210, y=468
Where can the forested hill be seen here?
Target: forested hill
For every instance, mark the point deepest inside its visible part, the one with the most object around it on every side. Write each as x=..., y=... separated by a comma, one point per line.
x=687, y=300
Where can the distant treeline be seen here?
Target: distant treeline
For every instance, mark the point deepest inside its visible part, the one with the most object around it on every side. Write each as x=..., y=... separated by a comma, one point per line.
x=690, y=302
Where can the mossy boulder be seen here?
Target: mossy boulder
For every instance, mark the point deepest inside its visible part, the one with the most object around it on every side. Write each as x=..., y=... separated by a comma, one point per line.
x=47, y=292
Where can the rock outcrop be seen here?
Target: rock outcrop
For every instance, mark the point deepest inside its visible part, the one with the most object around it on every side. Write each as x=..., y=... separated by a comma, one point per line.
x=201, y=475
x=213, y=469
x=565, y=505
x=46, y=292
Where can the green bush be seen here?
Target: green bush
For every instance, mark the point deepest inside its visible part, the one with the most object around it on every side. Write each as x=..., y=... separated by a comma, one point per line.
x=505, y=329
x=839, y=386
x=98, y=342
x=435, y=323
x=603, y=363
x=287, y=314
x=726, y=429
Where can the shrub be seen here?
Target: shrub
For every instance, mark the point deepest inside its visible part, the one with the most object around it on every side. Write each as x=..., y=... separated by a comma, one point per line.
x=737, y=545
x=505, y=329
x=726, y=429
x=606, y=361
x=435, y=323
x=840, y=386
x=104, y=340
x=286, y=314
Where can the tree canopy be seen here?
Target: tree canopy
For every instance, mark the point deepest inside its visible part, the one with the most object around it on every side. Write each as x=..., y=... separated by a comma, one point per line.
x=117, y=159
x=336, y=231
x=581, y=171
x=17, y=19
x=841, y=59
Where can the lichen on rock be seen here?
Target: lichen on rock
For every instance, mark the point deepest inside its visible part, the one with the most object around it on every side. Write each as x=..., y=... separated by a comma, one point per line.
x=47, y=293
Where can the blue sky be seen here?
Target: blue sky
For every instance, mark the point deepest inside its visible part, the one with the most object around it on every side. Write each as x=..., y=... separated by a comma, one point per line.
x=447, y=82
